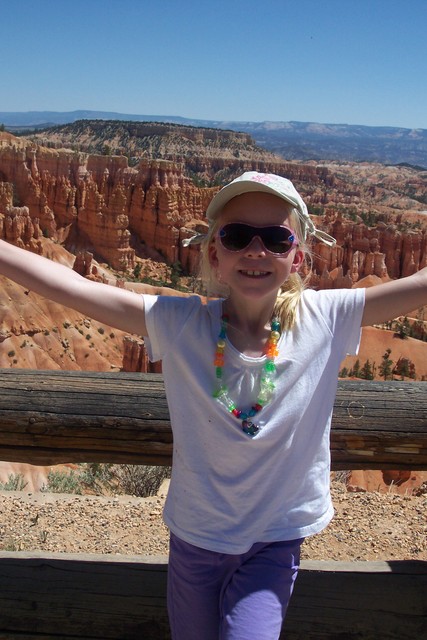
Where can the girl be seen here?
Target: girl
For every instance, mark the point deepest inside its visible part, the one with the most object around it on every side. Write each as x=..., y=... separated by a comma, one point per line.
x=250, y=379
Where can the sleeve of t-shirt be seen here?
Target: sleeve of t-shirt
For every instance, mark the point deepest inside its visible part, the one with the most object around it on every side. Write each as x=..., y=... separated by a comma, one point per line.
x=165, y=318
x=341, y=310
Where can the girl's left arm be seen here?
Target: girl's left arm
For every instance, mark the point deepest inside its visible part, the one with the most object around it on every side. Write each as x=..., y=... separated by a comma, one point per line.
x=396, y=298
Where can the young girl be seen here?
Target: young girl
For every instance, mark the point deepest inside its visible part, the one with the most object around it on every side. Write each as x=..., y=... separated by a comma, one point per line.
x=250, y=380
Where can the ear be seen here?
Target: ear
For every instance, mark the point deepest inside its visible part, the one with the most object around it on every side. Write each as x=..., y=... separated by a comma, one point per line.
x=297, y=261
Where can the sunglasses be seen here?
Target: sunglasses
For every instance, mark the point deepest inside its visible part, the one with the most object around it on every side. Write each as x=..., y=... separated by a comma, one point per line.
x=276, y=238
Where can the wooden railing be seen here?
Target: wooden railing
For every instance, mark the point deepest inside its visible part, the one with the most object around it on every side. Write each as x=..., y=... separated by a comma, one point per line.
x=51, y=417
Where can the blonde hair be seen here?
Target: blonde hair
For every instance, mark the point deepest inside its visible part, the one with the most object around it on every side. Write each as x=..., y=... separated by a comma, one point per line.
x=290, y=292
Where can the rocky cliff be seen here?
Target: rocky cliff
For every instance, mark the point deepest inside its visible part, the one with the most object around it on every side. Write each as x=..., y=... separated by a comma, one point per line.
x=154, y=140
x=97, y=202
x=123, y=214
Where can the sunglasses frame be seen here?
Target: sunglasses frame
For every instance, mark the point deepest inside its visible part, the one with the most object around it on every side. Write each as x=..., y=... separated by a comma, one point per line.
x=254, y=228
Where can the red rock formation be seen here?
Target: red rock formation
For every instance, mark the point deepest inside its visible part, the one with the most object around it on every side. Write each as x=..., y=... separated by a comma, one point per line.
x=100, y=204
x=135, y=357
x=83, y=265
x=387, y=481
x=361, y=251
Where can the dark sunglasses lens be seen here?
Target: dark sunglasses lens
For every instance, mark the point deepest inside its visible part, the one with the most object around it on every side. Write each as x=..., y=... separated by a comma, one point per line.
x=277, y=239
x=236, y=236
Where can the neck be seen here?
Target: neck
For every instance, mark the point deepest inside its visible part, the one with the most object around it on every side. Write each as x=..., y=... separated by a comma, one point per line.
x=249, y=324
x=252, y=316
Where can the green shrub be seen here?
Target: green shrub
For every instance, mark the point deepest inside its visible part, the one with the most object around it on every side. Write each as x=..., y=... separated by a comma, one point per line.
x=60, y=482
x=106, y=479
x=15, y=482
x=140, y=480
x=97, y=476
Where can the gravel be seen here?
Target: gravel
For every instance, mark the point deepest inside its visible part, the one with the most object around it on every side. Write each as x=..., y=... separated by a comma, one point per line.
x=367, y=525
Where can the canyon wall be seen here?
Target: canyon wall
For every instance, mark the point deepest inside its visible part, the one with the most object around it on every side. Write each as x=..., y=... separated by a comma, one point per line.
x=382, y=251
x=99, y=203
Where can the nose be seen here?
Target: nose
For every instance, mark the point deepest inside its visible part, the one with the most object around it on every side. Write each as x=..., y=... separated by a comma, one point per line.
x=255, y=248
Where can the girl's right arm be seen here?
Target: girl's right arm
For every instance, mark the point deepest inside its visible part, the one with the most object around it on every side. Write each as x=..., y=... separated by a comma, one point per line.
x=113, y=306
x=395, y=298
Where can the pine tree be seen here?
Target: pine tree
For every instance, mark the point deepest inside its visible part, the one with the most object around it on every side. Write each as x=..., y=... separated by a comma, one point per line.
x=404, y=328
x=405, y=368
x=355, y=372
x=366, y=372
x=386, y=366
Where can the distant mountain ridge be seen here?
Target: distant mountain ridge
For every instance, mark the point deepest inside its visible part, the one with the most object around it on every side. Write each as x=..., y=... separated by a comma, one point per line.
x=292, y=140
x=208, y=154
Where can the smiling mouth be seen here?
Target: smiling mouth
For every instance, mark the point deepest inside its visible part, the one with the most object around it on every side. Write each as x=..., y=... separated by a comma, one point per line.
x=250, y=273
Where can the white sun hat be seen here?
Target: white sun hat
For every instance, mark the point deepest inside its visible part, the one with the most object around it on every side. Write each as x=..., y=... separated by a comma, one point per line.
x=267, y=183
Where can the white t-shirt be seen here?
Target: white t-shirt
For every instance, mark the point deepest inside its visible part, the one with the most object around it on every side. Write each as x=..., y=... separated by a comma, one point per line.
x=229, y=490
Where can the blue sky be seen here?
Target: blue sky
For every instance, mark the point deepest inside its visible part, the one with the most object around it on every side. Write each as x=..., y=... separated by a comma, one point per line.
x=334, y=61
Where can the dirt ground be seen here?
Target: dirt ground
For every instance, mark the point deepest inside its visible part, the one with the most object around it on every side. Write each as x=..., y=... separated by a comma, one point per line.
x=367, y=525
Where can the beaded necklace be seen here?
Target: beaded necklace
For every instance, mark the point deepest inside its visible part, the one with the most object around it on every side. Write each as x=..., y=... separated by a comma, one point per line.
x=267, y=384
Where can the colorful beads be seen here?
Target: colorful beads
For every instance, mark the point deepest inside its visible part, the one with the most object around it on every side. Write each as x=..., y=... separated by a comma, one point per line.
x=272, y=352
x=267, y=385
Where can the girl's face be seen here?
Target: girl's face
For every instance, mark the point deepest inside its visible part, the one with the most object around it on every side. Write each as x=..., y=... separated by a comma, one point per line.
x=254, y=272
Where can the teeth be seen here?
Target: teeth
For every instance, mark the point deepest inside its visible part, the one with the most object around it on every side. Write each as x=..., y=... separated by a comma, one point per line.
x=256, y=273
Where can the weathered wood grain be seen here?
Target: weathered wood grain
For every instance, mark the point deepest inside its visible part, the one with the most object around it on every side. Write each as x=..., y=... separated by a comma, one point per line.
x=91, y=596
x=359, y=601
x=49, y=417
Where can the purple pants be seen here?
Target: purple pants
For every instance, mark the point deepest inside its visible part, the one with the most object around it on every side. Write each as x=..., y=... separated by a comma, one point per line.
x=218, y=596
